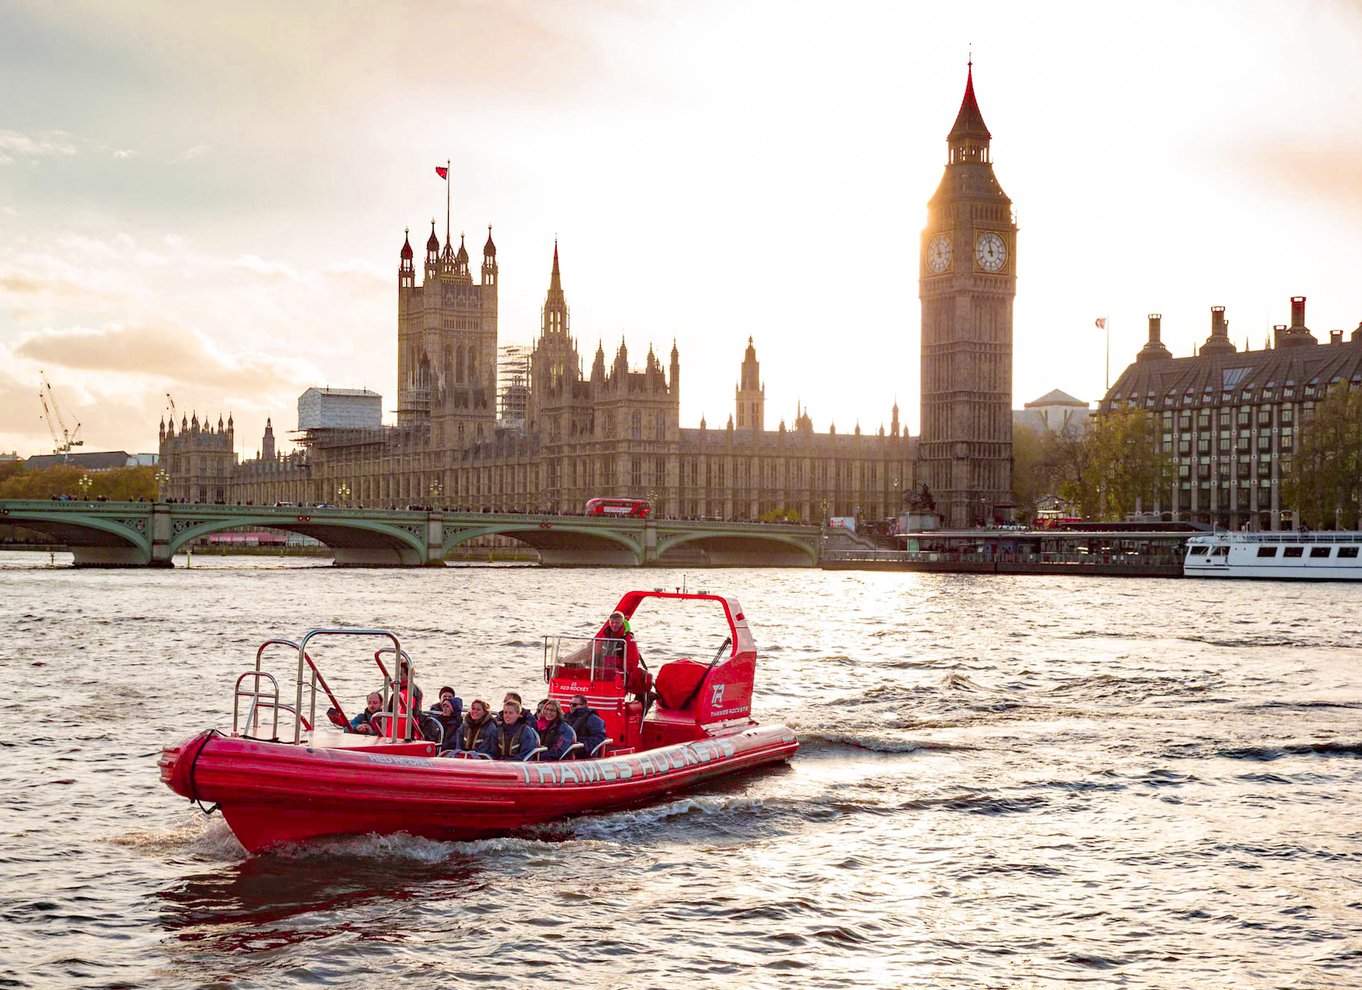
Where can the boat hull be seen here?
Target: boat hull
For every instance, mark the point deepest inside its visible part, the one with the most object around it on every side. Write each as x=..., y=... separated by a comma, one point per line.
x=1279, y=556
x=272, y=793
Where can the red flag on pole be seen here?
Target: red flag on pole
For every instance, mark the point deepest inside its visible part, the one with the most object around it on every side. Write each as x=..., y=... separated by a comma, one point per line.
x=1101, y=323
x=442, y=172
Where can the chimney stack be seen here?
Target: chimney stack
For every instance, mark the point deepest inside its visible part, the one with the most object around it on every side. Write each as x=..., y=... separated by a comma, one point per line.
x=1298, y=332
x=1219, y=341
x=1154, y=349
x=1335, y=336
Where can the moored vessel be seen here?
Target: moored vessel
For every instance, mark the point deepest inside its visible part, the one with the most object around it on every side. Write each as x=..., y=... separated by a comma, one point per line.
x=281, y=777
x=1283, y=556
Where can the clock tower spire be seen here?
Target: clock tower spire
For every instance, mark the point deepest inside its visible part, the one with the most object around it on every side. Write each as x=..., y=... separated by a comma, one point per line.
x=967, y=281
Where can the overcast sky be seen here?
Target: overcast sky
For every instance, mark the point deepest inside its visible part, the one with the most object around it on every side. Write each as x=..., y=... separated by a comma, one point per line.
x=208, y=200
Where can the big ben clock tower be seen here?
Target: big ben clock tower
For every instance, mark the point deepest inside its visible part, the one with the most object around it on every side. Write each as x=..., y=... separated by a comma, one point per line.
x=967, y=281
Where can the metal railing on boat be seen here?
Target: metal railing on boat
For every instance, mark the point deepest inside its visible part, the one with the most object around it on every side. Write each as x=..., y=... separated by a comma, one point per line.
x=304, y=661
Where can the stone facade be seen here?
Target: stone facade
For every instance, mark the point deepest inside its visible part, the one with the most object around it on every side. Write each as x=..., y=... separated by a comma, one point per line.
x=967, y=281
x=616, y=429
x=1230, y=419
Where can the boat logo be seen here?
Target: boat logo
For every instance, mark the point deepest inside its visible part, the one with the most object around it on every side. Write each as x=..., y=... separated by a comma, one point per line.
x=628, y=768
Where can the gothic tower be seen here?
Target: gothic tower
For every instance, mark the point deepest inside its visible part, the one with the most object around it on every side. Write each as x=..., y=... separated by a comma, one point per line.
x=447, y=342
x=967, y=281
x=750, y=394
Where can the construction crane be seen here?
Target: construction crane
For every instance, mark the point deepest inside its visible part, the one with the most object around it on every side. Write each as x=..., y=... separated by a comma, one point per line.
x=52, y=414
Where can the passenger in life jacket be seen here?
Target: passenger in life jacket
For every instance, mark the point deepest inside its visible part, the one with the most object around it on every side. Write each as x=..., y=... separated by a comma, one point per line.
x=589, y=727
x=555, y=734
x=406, y=699
x=450, y=722
x=510, y=696
x=448, y=692
x=511, y=739
x=360, y=723
x=475, y=725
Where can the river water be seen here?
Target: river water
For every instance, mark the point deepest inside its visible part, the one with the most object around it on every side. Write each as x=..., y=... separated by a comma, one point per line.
x=1003, y=782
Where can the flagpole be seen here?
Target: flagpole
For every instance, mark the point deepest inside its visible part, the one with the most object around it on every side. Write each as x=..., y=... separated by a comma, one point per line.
x=448, y=182
x=1106, y=325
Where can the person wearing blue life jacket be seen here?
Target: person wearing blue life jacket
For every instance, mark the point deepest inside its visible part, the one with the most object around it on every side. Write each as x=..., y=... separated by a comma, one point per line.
x=448, y=692
x=554, y=732
x=513, y=738
x=589, y=727
x=475, y=725
x=450, y=721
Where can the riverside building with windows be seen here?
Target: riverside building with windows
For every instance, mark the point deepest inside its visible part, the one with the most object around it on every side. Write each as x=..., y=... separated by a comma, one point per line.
x=1231, y=419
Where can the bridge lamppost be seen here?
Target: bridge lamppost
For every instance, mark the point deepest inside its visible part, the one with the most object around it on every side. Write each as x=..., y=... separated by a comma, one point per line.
x=162, y=482
x=343, y=494
x=435, y=491
x=84, y=485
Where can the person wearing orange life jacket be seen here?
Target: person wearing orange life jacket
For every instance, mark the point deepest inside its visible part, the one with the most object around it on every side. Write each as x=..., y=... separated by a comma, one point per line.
x=405, y=703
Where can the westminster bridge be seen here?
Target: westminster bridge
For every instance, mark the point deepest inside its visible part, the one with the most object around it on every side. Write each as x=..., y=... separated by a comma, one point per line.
x=149, y=534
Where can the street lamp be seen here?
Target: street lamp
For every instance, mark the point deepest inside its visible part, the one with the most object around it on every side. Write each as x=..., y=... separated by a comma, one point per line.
x=434, y=491
x=84, y=485
x=162, y=481
x=343, y=493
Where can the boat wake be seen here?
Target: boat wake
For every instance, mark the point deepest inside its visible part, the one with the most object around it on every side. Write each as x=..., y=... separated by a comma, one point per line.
x=613, y=825
x=813, y=740
x=203, y=836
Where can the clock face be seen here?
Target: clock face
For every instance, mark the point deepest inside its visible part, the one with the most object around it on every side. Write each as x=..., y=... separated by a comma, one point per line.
x=990, y=251
x=939, y=253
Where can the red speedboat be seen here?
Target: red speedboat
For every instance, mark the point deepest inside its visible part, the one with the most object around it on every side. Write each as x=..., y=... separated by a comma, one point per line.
x=690, y=723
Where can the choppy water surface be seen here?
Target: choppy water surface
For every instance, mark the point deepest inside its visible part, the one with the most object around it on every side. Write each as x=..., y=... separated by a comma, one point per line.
x=1004, y=781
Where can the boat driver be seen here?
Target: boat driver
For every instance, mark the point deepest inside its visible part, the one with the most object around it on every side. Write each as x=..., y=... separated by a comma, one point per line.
x=618, y=649
x=615, y=636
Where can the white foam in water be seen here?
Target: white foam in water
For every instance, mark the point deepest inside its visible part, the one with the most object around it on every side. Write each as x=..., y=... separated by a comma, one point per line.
x=628, y=821
x=202, y=835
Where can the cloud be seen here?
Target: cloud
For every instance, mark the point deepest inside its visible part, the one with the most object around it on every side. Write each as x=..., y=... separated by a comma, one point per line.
x=1305, y=169
x=165, y=353
x=124, y=153
x=189, y=154
x=43, y=145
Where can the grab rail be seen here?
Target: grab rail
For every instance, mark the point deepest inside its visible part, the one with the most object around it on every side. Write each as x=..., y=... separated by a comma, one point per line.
x=255, y=694
x=305, y=661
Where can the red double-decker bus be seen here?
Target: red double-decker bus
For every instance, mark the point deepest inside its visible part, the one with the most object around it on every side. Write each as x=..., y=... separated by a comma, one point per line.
x=637, y=507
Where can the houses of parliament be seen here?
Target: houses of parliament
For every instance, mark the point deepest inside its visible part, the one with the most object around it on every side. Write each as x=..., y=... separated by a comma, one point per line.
x=563, y=435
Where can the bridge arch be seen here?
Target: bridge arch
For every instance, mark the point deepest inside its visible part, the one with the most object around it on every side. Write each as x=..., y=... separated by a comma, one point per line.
x=98, y=537
x=750, y=546
x=354, y=541
x=558, y=542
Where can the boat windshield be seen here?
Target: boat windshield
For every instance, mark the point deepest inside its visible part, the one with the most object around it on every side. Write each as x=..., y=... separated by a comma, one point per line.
x=583, y=658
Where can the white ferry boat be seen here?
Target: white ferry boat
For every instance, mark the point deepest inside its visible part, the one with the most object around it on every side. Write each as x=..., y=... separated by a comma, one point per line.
x=1286, y=556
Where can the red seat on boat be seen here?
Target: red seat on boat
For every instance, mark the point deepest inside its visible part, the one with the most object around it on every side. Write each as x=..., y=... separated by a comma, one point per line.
x=677, y=682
